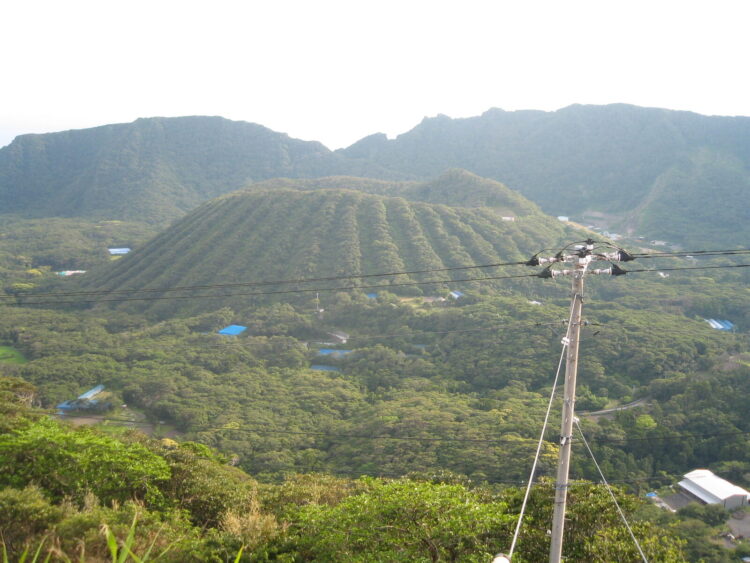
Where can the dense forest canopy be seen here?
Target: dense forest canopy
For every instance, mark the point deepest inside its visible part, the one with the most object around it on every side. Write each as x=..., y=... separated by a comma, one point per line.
x=670, y=175
x=282, y=234
x=392, y=417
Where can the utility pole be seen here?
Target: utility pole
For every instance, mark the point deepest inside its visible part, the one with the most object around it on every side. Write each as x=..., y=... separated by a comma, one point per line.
x=568, y=409
x=581, y=257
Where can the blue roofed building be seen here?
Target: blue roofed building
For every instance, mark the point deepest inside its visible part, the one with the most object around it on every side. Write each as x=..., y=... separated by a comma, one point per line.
x=233, y=330
x=85, y=401
x=720, y=324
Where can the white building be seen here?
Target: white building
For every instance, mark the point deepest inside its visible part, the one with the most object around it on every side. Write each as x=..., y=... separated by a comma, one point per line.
x=711, y=489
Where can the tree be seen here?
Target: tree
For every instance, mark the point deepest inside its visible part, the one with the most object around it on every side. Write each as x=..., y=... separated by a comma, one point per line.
x=402, y=521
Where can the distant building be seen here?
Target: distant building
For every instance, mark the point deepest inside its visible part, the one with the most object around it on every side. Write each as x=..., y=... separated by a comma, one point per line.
x=85, y=401
x=563, y=218
x=709, y=488
x=508, y=218
x=371, y=295
x=456, y=294
x=70, y=272
x=118, y=251
x=340, y=337
x=720, y=324
x=233, y=330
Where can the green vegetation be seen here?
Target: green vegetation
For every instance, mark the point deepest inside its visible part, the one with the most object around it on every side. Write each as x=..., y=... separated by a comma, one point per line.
x=634, y=165
x=198, y=508
x=32, y=250
x=224, y=448
x=237, y=238
x=10, y=355
x=685, y=175
x=152, y=170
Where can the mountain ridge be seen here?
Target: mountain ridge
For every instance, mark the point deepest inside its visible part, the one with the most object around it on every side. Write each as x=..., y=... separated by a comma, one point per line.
x=673, y=175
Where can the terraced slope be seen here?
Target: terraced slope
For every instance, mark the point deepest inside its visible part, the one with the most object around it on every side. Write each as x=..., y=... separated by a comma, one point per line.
x=455, y=187
x=284, y=234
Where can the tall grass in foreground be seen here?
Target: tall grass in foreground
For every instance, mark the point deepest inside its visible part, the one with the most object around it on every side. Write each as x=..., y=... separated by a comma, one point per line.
x=119, y=550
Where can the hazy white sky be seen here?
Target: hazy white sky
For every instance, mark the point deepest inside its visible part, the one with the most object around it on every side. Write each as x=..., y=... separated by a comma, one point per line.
x=336, y=71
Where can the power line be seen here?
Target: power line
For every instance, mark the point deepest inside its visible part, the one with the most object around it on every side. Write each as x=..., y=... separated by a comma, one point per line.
x=686, y=253
x=517, y=531
x=234, y=427
x=609, y=489
x=688, y=268
x=280, y=292
x=342, y=288
x=239, y=343
x=274, y=282
x=343, y=277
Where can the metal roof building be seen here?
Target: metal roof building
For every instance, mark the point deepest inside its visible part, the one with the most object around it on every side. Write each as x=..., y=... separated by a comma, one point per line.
x=712, y=489
x=233, y=330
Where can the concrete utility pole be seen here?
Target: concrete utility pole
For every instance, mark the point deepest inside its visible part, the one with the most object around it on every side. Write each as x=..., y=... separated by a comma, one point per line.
x=582, y=256
x=568, y=411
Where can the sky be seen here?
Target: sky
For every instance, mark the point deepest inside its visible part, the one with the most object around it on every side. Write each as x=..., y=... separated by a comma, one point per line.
x=336, y=71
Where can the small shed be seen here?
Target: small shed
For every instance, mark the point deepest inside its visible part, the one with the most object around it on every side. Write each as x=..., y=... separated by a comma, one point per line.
x=456, y=294
x=233, y=330
x=709, y=488
x=720, y=324
x=371, y=295
x=340, y=337
x=118, y=251
x=84, y=401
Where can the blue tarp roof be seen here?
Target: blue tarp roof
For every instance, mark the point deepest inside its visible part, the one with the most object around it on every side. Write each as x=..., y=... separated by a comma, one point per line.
x=233, y=330
x=92, y=392
x=372, y=295
x=456, y=294
x=84, y=401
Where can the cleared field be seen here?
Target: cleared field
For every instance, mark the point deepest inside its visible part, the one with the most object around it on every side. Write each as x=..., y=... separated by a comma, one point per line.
x=10, y=355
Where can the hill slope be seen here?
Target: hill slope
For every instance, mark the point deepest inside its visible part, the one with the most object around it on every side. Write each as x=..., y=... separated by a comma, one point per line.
x=152, y=169
x=251, y=236
x=671, y=175
x=455, y=187
x=680, y=175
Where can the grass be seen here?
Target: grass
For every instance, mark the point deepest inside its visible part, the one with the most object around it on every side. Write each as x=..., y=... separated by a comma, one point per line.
x=10, y=355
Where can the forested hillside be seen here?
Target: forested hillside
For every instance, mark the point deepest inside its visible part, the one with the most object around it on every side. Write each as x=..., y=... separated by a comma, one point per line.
x=455, y=187
x=679, y=175
x=671, y=175
x=386, y=397
x=102, y=494
x=152, y=169
x=281, y=234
